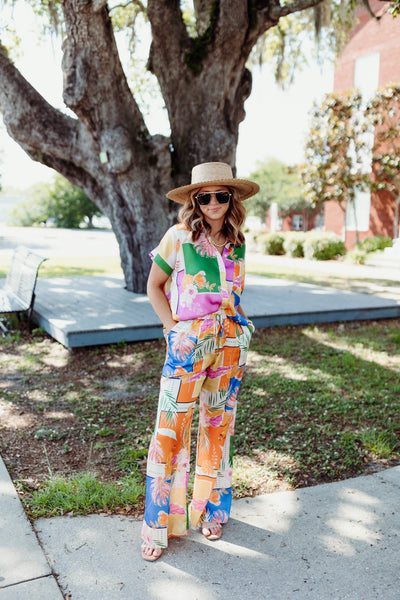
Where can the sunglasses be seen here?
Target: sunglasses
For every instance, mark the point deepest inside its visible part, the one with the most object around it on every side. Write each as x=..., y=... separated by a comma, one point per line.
x=205, y=197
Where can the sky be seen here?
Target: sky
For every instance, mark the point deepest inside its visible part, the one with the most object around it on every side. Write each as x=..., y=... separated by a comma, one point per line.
x=277, y=121
x=275, y=125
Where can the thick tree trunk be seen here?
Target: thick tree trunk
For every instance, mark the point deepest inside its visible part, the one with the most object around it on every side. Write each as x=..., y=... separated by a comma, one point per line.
x=204, y=81
x=107, y=150
x=130, y=186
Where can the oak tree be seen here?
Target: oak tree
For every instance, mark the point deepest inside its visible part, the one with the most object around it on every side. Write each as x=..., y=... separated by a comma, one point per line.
x=105, y=147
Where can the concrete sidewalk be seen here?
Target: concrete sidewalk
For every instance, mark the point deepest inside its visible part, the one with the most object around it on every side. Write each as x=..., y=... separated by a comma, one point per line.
x=330, y=542
x=24, y=570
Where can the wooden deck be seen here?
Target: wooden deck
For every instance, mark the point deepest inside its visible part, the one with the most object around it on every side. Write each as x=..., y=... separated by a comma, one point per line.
x=87, y=311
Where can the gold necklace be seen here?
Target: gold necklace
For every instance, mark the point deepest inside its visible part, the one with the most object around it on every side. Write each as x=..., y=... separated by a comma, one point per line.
x=215, y=244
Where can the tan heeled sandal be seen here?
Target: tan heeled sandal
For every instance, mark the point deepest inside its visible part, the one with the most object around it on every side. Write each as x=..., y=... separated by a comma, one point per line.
x=210, y=527
x=151, y=557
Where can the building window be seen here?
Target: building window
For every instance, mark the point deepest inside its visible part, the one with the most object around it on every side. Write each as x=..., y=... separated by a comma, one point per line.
x=319, y=220
x=297, y=222
x=366, y=74
x=357, y=212
x=366, y=79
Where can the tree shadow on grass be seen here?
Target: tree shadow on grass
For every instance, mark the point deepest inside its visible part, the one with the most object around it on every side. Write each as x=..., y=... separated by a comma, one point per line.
x=303, y=403
x=310, y=401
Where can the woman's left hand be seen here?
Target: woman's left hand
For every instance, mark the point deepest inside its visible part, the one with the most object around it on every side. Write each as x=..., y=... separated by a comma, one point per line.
x=251, y=325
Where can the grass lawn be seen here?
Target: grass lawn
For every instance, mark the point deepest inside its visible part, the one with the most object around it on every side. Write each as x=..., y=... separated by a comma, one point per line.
x=93, y=265
x=341, y=281
x=317, y=404
x=72, y=266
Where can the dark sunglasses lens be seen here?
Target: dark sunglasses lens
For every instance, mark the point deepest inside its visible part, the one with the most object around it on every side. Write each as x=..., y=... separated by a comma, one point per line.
x=205, y=198
x=222, y=197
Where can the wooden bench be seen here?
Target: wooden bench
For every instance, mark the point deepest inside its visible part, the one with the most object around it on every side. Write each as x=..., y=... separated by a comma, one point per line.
x=18, y=293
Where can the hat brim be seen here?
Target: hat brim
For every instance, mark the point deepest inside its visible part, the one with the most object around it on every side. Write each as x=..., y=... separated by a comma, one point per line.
x=244, y=188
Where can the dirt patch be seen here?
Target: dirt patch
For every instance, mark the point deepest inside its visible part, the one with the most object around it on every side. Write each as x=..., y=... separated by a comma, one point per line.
x=64, y=412
x=93, y=409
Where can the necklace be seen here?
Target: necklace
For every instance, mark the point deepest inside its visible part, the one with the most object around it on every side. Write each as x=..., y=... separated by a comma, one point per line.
x=215, y=243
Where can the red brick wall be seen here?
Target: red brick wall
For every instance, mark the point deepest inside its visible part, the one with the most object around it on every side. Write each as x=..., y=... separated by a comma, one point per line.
x=287, y=222
x=334, y=217
x=368, y=36
x=381, y=220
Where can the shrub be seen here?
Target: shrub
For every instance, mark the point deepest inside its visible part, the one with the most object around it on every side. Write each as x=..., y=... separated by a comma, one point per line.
x=374, y=243
x=27, y=214
x=274, y=244
x=324, y=246
x=293, y=244
x=253, y=241
x=59, y=203
x=357, y=256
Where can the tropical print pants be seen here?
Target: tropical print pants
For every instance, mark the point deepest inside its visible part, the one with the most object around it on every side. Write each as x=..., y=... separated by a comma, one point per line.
x=205, y=359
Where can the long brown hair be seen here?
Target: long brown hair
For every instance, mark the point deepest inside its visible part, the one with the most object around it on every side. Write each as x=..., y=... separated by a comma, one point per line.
x=191, y=216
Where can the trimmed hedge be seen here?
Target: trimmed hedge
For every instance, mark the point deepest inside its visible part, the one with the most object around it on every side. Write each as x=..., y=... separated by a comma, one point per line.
x=357, y=256
x=360, y=252
x=374, y=243
x=318, y=245
x=293, y=244
x=273, y=243
x=323, y=246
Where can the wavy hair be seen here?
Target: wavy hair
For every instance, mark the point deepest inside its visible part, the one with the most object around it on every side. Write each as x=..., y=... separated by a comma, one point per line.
x=191, y=216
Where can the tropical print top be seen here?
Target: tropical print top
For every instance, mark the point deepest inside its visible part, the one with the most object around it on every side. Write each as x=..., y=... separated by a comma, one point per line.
x=201, y=280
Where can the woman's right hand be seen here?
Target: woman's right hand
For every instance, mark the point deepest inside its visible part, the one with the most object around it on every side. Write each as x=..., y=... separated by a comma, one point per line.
x=168, y=326
x=158, y=300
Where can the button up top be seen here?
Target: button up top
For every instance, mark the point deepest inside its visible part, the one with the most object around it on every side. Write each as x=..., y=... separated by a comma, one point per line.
x=201, y=280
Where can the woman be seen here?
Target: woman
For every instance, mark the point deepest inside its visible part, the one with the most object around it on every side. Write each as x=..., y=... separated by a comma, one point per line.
x=194, y=286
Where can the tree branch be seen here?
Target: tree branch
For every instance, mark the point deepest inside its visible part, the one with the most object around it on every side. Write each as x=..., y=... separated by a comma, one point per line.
x=95, y=86
x=169, y=33
x=202, y=10
x=233, y=20
x=138, y=3
x=46, y=134
x=99, y=5
x=278, y=11
x=31, y=121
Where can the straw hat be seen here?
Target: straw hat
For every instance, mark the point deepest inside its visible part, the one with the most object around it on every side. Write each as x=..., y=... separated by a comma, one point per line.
x=214, y=173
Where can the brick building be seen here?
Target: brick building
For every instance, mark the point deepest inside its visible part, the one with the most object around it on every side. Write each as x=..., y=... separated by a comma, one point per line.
x=370, y=60
x=294, y=221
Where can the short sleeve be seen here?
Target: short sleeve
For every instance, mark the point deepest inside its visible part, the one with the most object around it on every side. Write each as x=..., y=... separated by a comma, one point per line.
x=164, y=255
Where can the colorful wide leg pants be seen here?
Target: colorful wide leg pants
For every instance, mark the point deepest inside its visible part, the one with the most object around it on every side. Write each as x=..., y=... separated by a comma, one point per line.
x=205, y=359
